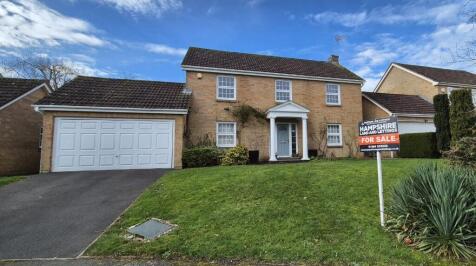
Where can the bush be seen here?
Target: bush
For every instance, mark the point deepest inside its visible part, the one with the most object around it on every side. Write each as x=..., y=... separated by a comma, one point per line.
x=461, y=114
x=434, y=210
x=235, y=156
x=201, y=156
x=442, y=121
x=418, y=145
x=463, y=152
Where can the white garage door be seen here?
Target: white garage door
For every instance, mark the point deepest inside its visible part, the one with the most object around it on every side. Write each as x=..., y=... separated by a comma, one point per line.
x=415, y=127
x=105, y=144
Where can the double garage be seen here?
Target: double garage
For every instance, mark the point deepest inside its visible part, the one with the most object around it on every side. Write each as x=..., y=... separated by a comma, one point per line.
x=96, y=123
x=105, y=141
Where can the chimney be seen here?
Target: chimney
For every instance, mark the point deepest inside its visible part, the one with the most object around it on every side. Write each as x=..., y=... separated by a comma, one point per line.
x=334, y=59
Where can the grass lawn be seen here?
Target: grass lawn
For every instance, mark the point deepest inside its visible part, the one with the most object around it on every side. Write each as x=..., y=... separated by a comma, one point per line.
x=10, y=179
x=317, y=212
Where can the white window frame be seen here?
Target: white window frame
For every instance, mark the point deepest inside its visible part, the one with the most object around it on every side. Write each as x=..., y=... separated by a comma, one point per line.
x=233, y=134
x=218, y=88
x=334, y=134
x=338, y=94
x=276, y=90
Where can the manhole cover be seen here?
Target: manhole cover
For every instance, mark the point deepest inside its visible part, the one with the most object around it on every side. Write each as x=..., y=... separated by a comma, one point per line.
x=151, y=229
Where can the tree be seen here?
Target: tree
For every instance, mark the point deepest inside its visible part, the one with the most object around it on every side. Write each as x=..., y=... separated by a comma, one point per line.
x=442, y=121
x=467, y=51
x=55, y=72
x=461, y=114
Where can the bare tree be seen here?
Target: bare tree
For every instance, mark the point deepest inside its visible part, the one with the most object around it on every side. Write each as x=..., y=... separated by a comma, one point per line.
x=55, y=71
x=467, y=52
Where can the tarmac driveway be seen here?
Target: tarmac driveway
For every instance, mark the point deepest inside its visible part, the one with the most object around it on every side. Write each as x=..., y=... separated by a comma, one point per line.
x=60, y=214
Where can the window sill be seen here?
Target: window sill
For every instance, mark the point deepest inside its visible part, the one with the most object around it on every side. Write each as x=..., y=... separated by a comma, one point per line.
x=226, y=101
x=333, y=105
x=226, y=147
x=335, y=146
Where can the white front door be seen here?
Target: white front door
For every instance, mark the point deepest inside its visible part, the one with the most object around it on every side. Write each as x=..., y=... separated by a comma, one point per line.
x=105, y=144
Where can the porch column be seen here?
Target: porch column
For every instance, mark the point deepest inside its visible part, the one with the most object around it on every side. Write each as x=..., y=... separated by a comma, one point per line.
x=305, y=156
x=272, y=139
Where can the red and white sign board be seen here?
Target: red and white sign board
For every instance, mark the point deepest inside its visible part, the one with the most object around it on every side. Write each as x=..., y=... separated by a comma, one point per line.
x=379, y=135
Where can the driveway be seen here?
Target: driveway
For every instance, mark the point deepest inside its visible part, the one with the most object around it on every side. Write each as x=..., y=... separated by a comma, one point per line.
x=60, y=214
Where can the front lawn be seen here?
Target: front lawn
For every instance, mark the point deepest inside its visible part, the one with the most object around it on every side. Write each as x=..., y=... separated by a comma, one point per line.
x=321, y=212
x=10, y=179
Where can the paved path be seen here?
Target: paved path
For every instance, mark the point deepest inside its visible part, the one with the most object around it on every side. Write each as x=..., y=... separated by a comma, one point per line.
x=60, y=214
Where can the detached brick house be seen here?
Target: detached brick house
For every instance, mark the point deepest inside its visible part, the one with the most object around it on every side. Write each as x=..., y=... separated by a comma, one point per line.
x=20, y=125
x=411, y=88
x=96, y=123
x=302, y=98
x=425, y=81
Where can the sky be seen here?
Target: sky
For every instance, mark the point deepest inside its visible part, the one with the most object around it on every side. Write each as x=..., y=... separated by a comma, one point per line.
x=147, y=39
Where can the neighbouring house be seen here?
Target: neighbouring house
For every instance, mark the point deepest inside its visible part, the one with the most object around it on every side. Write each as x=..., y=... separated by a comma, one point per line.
x=425, y=81
x=98, y=123
x=20, y=125
x=415, y=114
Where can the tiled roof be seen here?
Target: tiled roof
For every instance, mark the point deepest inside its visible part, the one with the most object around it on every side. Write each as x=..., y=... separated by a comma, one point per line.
x=12, y=88
x=125, y=93
x=442, y=74
x=400, y=103
x=200, y=57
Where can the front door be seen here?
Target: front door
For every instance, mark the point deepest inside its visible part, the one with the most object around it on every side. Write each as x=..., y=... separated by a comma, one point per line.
x=283, y=140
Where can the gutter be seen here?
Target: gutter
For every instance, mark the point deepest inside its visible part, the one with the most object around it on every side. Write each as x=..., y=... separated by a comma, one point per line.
x=268, y=74
x=67, y=108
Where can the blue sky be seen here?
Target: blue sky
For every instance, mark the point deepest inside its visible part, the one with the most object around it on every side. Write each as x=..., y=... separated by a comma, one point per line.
x=146, y=39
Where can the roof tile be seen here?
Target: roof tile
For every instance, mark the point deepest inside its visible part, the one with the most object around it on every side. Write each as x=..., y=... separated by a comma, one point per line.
x=122, y=93
x=402, y=104
x=201, y=57
x=12, y=88
x=442, y=74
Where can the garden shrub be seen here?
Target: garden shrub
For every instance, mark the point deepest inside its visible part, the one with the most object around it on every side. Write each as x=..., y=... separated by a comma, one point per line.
x=201, y=156
x=434, y=210
x=442, y=121
x=418, y=145
x=461, y=114
x=463, y=152
x=237, y=155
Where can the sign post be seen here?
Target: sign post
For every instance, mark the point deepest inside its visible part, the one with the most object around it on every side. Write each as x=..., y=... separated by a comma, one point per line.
x=379, y=135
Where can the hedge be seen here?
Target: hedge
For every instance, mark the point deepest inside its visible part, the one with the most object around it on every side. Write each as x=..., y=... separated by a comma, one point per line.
x=418, y=145
x=461, y=114
x=201, y=156
x=442, y=121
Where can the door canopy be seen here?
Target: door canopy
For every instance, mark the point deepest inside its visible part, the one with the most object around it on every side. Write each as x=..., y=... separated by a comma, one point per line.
x=287, y=109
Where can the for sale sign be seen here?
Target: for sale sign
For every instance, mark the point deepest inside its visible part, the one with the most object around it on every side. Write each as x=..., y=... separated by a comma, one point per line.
x=379, y=135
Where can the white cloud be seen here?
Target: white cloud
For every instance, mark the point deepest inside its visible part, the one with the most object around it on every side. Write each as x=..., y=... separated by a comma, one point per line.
x=374, y=56
x=420, y=12
x=212, y=10
x=144, y=7
x=165, y=50
x=28, y=23
x=435, y=49
x=345, y=19
x=254, y=3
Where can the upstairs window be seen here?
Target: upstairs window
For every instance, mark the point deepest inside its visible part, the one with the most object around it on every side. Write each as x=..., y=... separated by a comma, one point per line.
x=332, y=94
x=334, y=135
x=283, y=90
x=226, y=88
x=226, y=134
